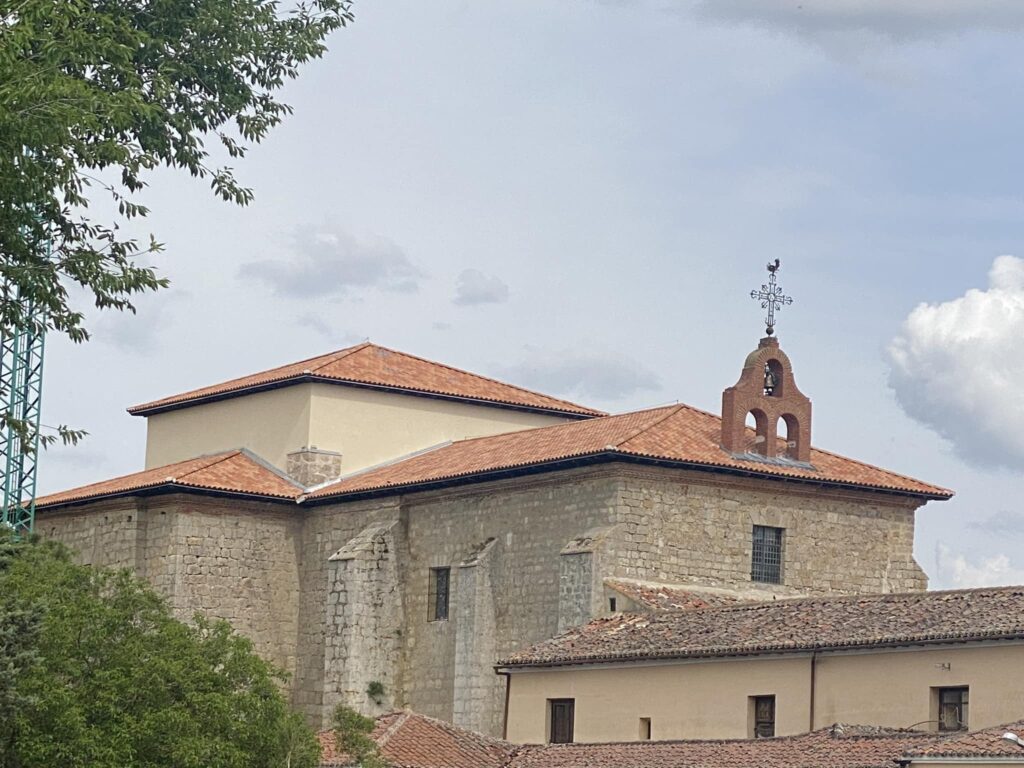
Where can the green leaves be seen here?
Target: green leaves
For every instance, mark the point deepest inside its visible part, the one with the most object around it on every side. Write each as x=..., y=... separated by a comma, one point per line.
x=95, y=671
x=94, y=93
x=353, y=734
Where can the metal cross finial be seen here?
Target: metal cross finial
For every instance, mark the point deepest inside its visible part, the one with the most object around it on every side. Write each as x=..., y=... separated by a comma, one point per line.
x=771, y=297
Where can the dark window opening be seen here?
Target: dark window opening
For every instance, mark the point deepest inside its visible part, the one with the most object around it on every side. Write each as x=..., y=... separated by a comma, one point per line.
x=766, y=563
x=611, y=604
x=563, y=713
x=645, y=729
x=437, y=594
x=764, y=717
x=953, y=705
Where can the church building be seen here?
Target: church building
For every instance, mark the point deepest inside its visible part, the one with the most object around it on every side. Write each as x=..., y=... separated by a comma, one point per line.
x=386, y=528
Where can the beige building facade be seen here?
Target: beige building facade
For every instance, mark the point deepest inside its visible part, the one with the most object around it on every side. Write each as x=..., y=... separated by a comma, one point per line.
x=714, y=698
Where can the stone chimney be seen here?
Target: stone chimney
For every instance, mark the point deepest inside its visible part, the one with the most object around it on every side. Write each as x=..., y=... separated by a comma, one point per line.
x=768, y=391
x=311, y=466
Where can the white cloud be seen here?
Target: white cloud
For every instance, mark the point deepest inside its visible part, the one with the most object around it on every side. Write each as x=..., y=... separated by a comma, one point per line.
x=897, y=19
x=957, y=571
x=583, y=375
x=329, y=263
x=958, y=367
x=474, y=287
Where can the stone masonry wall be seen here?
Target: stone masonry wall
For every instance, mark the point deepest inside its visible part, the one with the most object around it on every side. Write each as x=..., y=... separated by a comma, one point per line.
x=476, y=688
x=528, y=556
x=677, y=526
x=224, y=558
x=238, y=561
x=530, y=520
x=103, y=534
x=327, y=529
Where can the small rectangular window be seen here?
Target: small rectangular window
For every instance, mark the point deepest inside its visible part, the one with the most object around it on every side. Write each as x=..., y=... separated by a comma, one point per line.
x=645, y=729
x=611, y=604
x=563, y=713
x=766, y=563
x=953, y=706
x=762, y=716
x=437, y=594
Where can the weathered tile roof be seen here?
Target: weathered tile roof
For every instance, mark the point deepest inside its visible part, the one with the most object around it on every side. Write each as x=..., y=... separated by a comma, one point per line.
x=676, y=434
x=668, y=597
x=836, y=747
x=236, y=472
x=410, y=740
x=372, y=365
x=985, y=743
x=788, y=625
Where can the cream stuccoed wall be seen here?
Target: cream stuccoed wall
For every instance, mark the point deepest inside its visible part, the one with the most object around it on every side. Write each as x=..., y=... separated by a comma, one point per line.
x=369, y=426
x=270, y=424
x=710, y=699
x=366, y=426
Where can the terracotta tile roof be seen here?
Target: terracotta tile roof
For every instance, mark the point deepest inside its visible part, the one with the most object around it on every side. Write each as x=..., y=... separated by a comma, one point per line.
x=835, y=747
x=372, y=365
x=237, y=471
x=410, y=740
x=675, y=433
x=788, y=625
x=668, y=597
x=985, y=743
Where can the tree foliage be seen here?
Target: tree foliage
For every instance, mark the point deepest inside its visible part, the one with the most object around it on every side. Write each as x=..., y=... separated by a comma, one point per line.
x=113, y=679
x=352, y=731
x=94, y=93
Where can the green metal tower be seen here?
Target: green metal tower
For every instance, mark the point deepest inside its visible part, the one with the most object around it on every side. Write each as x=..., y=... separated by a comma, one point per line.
x=21, y=389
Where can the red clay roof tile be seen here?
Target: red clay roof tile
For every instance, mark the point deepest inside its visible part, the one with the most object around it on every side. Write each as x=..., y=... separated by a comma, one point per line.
x=836, y=747
x=372, y=365
x=788, y=625
x=669, y=597
x=409, y=740
x=985, y=743
x=675, y=433
x=235, y=471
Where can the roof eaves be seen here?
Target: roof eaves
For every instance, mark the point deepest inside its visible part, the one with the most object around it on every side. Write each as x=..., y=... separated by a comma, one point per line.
x=169, y=485
x=609, y=453
x=769, y=649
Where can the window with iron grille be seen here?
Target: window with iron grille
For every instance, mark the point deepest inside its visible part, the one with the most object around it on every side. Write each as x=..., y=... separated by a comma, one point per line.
x=563, y=713
x=763, y=716
x=953, y=704
x=766, y=563
x=437, y=594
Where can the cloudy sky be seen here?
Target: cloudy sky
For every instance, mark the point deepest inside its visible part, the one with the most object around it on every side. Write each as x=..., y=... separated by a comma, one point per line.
x=578, y=196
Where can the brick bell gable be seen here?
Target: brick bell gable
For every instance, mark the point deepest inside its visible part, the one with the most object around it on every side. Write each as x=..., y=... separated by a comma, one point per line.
x=768, y=390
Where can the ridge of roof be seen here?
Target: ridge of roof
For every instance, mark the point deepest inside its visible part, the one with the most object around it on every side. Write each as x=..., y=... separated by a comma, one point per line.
x=295, y=372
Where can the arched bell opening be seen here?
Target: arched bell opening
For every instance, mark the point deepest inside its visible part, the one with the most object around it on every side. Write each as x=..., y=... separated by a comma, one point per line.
x=789, y=427
x=758, y=421
x=774, y=381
